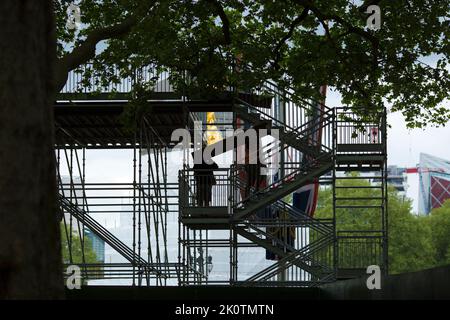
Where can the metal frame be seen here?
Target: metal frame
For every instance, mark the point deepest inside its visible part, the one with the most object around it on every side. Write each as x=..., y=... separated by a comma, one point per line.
x=313, y=258
x=361, y=147
x=145, y=198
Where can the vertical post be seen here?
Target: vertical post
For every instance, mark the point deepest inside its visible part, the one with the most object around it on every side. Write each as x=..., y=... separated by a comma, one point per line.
x=235, y=255
x=139, y=192
x=282, y=118
x=194, y=247
x=184, y=265
x=148, y=206
x=166, y=204
x=281, y=115
x=134, y=210
x=180, y=265
x=333, y=185
x=188, y=254
x=71, y=199
x=206, y=256
x=83, y=202
x=233, y=187
x=201, y=259
x=231, y=256
x=83, y=181
x=385, y=195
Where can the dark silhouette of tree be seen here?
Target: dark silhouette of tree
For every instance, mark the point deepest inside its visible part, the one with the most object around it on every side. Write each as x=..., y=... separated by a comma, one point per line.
x=300, y=43
x=30, y=248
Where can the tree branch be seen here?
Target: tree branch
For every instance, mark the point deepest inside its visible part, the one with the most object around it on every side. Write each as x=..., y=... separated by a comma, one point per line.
x=86, y=50
x=224, y=18
x=366, y=4
x=351, y=28
x=297, y=21
x=342, y=57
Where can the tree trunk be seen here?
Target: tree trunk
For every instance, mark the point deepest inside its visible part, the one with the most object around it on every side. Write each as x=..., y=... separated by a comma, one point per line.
x=30, y=257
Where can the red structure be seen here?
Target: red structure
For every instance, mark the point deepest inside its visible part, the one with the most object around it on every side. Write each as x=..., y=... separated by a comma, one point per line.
x=440, y=190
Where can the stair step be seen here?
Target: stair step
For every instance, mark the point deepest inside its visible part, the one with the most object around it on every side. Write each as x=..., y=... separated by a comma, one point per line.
x=298, y=139
x=83, y=217
x=358, y=207
x=358, y=187
x=359, y=198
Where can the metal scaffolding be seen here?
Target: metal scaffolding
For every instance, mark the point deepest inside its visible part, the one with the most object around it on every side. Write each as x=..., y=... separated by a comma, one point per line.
x=145, y=199
x=232, y=218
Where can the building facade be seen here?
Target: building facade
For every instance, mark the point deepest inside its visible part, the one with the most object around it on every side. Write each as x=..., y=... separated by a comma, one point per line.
x=434, y=182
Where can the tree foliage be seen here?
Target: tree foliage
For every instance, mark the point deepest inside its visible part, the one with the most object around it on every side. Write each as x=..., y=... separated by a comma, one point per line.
x=415, y=242
x=439, y=223
x=298, y=43
x=75, y=254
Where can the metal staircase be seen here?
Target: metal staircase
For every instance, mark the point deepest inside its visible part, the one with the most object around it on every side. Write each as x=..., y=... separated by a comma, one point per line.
x=312, y=140
x=318, y=156
x=361, y=154
x=248, y=225
x=319, y=143
x=251, y=229
x=83, y=217
x=319, y=272
x=300, y=258
x=296, y=137
x=279, y=189
x=303, y=219
x=317, y=160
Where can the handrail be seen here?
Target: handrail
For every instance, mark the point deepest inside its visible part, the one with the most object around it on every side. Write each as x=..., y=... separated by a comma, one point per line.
x=284, y=91
x=103, y=233
x=304, y=131
x=327, y=112
x=292, y=211
x=304, y=253
x=306, y=166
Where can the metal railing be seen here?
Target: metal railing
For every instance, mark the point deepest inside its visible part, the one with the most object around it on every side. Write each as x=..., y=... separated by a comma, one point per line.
x=201, y=188
x=114, y=271
x=299, y=144
x=239, y=199
x=85, y=80
x=308, y=255
x=105, y=235
x=359, y=249
x=306, y=126
x=353, y=129
x=113, y=197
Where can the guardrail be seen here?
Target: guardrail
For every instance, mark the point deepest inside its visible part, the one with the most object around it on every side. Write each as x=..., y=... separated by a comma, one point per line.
x=85, y=80
x=359, y=249
x=202, y=188
x=353, y=131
